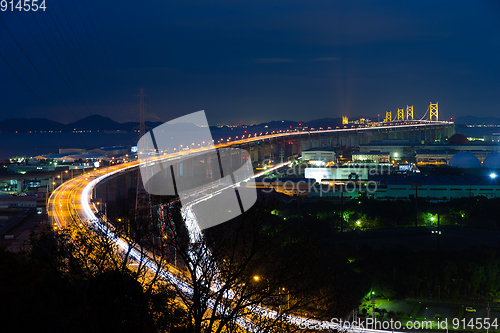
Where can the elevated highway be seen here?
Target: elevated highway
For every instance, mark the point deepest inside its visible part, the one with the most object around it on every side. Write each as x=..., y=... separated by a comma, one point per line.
x=70, y=205
x=291, y=142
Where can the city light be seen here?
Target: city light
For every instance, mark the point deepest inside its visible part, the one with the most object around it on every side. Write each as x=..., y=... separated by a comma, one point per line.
x=493, y=175
x=256, y=278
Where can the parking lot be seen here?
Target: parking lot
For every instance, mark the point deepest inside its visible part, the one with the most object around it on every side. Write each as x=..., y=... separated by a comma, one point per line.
x=428, y=310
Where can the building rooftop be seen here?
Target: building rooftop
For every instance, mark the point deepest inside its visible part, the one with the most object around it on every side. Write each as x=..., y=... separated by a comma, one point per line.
x=321, y=149
x=111, y=148
x=431, y=145
x=86, y=156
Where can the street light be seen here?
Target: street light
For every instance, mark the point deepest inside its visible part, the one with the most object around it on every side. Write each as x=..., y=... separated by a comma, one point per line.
x=287, y=297
x=493, y=175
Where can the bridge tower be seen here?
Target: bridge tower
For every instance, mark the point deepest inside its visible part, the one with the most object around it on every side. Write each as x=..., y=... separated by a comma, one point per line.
x=409, y=112
x=388, y=117
x=401, y=114
x=345, y=120
x=433, y=112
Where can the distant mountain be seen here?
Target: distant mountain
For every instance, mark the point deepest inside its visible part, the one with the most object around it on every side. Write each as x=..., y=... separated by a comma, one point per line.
x=90, y=123
x=279, y=124
x=285, y=124
x=473, y=120
x=325, y=123
x=95, y=123
x=25, y=125
x=149, y=125
x=101, y=123
x=130, y=126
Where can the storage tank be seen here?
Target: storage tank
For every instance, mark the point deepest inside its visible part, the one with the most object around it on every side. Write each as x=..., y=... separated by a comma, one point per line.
x=465, y=161
x=492, y=161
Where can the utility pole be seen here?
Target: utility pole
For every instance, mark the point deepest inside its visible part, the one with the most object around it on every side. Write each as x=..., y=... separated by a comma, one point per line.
x=142, y=112
x=142, y=202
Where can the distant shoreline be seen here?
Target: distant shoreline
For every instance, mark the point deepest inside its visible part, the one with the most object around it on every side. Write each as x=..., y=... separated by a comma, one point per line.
x=34, y=144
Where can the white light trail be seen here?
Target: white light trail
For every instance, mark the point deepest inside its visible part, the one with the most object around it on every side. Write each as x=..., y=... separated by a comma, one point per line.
x=195, y=234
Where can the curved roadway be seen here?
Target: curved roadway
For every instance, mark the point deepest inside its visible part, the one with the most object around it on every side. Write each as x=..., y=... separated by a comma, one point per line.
x=70, y=206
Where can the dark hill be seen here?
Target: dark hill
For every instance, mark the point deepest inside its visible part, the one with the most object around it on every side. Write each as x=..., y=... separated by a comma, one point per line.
x=325, y=123
x=94, y=123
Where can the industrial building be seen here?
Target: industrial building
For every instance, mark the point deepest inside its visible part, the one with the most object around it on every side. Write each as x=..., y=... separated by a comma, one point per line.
x=473, y=179
x=322, y=154
x=288, y=186
x=468, y=177
x=426, y=154
x=403, y=188
x=74, y=154
x=337, y=173
x=371, y=157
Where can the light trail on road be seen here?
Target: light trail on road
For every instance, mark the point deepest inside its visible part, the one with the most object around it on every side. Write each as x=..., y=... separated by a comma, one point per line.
x=81, y=189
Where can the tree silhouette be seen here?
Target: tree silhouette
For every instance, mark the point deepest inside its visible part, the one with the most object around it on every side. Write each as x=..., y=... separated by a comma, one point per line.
x=248, y=271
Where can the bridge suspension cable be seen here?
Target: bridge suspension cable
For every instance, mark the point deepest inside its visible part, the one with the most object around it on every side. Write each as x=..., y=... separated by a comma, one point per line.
x=425, y=114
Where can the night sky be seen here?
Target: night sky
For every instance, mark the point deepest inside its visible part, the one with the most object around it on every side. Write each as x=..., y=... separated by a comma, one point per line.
x=250, y=61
